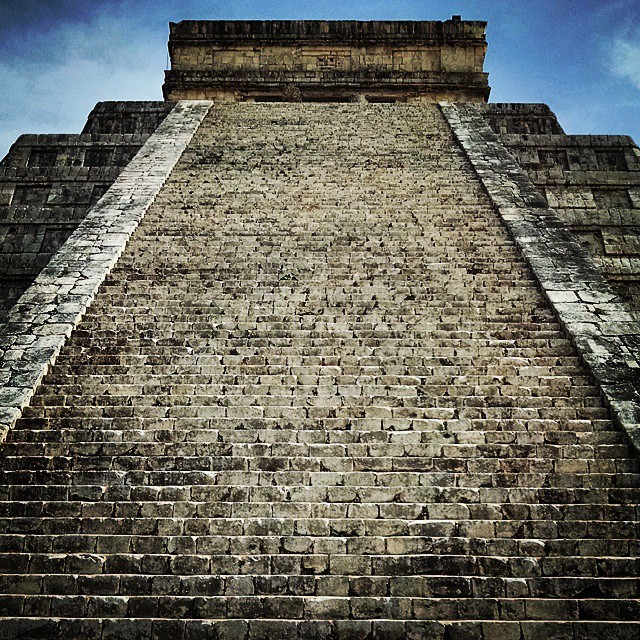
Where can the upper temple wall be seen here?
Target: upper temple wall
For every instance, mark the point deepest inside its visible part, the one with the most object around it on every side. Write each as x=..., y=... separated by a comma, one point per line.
x=327, y=60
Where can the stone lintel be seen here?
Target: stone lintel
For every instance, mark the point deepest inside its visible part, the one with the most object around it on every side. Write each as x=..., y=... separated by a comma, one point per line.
x=598, y=323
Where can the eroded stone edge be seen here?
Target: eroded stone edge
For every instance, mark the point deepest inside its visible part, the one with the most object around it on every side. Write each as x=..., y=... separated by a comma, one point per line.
x=599, y=324
x=45, y=315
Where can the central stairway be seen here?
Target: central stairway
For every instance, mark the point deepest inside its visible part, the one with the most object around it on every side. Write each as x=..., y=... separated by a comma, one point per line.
x=320, y=396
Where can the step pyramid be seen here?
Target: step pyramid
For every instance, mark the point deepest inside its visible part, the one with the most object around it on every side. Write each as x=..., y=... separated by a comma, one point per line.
x=320, y=396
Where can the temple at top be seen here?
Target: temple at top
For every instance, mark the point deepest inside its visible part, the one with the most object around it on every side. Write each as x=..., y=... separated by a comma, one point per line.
x=327, y=61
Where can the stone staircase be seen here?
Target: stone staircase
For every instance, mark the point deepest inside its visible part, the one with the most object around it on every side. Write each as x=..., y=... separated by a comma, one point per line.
x=320, y=396
x=48, y=183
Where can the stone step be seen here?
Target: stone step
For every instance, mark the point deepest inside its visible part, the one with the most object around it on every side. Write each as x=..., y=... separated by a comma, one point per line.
x=308, y=360
x=190, y=507
x=301, y=364
x=346, y=336
x=354, y=498
x=69, y=628
x=377, y=471
x=454, y=445
x=340, y=557
x=260, y=544
x=409, y=405
x=321, y=607
x=514, y=528
x=461, y=476
x=506, y=328
x=119, y=368
x=323, y=484
x=214, y=380
x=538, y=356
x=380, y=395
x=301, y=414
x=206, y=370
x=383, y=453
x=319, y=431
x=384, y=396
x=194, y=441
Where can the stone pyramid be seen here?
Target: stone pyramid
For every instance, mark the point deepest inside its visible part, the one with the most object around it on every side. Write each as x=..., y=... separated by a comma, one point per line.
x=324, y=346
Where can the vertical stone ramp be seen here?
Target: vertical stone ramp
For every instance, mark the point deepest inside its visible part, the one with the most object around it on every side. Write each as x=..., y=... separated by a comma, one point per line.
x=603, y=328
x=49, y=182
x=44, y=316
x=319, y=396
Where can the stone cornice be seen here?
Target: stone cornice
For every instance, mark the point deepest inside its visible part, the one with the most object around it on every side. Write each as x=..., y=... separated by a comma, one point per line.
x=327, y=31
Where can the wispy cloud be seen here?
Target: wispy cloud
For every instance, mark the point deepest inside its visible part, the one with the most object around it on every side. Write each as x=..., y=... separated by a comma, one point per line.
x=624, y=57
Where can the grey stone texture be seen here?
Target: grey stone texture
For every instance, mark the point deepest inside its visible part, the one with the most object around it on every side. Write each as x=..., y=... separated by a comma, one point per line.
x=603, y=328
x=48, y=183
x=591, y=182
x=45, y=315
x=327, y=60
x=321, y=394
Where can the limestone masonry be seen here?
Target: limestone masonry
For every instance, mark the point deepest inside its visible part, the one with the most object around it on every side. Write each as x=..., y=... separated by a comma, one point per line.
x=315, y=60
x=325, y=346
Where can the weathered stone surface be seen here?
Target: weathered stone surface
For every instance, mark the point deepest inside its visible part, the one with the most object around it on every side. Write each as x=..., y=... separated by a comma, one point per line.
x=43, y=318
x=589, y=310
x=49, y=182
x=320, y=395
x=333, y=372
x=592, y=182
x=318, y=60
x=127, y=118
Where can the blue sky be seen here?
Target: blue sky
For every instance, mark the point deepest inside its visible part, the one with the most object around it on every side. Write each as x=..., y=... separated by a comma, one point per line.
x=59, y=57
